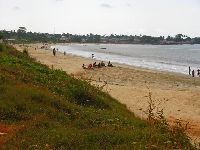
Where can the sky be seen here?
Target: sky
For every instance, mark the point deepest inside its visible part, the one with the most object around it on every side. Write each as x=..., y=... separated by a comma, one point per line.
x=131, y=17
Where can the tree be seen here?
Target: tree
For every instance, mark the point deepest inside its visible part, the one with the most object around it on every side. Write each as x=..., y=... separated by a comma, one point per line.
x=179, y=38
x=1, y=36
x=21, y=30
x=169, y=38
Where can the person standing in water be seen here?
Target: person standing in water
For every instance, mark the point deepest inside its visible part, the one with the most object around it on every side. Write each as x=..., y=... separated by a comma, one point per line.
x=54, y=52
x=192, y=73
x=198, y=72
x=189, y=70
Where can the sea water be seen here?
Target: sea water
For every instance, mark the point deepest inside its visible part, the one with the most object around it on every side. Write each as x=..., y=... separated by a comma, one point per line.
x=172, y=58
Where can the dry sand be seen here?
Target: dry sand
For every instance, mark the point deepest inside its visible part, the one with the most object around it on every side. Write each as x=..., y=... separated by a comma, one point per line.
x=178, y=95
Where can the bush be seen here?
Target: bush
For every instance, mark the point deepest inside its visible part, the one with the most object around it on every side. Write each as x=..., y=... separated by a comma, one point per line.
x=51, y=110
x=25, y=51
x=1, y=36
x=2, y=47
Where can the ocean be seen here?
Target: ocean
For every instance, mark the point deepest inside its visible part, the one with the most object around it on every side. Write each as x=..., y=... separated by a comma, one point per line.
x=172, y=58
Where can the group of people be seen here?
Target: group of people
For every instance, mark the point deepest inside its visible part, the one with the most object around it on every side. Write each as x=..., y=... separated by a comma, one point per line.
x=95, y=65
x=90, y=66
x=54, y=52
x=192, y=72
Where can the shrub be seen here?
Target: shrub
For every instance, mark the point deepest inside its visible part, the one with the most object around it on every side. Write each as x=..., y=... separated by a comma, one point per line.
x=2, y=47
x=25, y=51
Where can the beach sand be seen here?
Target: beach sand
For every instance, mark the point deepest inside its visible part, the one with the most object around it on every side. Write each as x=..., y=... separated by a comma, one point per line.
x=178, y=95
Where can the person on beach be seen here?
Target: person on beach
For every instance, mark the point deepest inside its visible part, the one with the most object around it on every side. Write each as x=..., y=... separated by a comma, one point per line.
x=83, y=66
x=103, y=64
x=99, y=65
x=92, y=56
x=198, y=72
x=64, y=53
x=94, y=64
x=193, y=73
x=189, y=70
x=54, y=52
x=109, y=64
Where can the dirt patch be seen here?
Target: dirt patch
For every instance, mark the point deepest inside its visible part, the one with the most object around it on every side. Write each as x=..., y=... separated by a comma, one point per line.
x=5, y=131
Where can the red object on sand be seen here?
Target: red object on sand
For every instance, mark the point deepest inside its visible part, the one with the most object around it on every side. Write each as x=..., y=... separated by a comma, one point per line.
x=90, y=66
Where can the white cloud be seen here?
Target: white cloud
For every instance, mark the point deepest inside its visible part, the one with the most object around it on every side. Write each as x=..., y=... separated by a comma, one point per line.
x=152, y=17
x=105, y=5
x=128, y=5
x=16, y=8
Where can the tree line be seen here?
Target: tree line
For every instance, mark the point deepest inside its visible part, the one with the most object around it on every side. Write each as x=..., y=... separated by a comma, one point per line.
x=22, y=36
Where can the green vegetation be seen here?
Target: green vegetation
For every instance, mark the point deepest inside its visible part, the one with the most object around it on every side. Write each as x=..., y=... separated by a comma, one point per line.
x=48, y=109
x=22, y=36
x=1, y=36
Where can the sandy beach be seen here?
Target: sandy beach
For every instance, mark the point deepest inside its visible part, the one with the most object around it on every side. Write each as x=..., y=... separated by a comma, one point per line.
x=178, y=95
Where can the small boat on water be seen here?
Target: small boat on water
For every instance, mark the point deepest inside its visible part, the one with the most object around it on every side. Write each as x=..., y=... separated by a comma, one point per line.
x=103, y=48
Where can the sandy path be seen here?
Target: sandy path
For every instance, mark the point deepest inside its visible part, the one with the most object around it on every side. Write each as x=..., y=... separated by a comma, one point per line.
x=178, y=95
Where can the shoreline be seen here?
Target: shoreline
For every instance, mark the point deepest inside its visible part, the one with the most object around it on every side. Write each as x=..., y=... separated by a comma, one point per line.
x=178, y=94
x=128, y=66
x=126, y=61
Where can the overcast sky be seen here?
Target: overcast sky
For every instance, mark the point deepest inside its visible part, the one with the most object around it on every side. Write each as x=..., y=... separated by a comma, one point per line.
x=150, y=17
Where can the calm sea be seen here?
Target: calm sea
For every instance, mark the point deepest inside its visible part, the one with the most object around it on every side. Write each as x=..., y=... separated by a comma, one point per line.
x=173, y=58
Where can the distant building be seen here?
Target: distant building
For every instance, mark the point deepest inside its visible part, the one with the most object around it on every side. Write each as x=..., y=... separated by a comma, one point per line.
x=113, y=40
x=83, y=40
x=136, y=39
x=104, y=40
x=9, y=40
x=124, y=40
x=64, y=39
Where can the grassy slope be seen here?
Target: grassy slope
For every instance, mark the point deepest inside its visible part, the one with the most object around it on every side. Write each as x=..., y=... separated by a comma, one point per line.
x=43, y=108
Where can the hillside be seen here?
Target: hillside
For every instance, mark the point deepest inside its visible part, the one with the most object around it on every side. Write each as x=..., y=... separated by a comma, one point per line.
x=41, y=108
